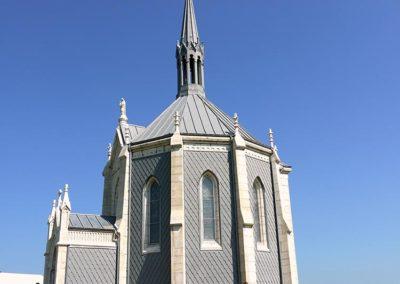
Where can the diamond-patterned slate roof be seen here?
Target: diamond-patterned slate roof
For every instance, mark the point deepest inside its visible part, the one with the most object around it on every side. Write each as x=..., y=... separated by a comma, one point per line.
x=198, y=117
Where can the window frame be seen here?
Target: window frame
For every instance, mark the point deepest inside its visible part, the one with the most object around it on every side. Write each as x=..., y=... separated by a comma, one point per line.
x=215, y=244
x=148, y=248
x=262, y=237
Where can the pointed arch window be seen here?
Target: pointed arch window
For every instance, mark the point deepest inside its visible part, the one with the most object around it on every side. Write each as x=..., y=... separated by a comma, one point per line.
x=151, y=225
x=260, y=218
x=210, y=232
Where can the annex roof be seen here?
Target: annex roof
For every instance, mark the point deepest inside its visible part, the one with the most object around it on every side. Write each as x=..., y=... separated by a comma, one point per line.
x=91, y=222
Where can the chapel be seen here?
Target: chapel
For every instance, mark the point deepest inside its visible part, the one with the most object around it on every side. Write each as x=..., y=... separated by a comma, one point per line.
x=191, y=198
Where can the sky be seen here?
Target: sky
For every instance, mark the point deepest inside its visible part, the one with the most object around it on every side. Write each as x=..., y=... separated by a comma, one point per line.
x=323, y=74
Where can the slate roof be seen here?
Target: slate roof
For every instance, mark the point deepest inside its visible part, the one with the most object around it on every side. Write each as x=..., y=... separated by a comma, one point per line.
x=198, y=117
x=91, y=222
x=88, y=265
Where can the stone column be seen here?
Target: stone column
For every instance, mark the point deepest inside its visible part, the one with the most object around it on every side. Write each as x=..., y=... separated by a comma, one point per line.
x=122, y=214
x=285, y=223
x=62, y=246
x=244, y=214
x=189, y=79
x=177, y=220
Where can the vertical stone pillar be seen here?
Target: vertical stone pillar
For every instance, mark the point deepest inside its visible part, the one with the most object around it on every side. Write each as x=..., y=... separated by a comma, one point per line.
x=61, y=266
x=285, y=223
x=177, y=226
x=122, y=214
x=245, y=218
x=62, y=247
x=189, y=79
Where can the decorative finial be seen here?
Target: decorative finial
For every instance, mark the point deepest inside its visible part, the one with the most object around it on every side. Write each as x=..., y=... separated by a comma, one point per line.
x=122, y=107
x=59, y=193
x=66, y=188
x=271, y=138
x=109, y=151
x=177, y=121
x=236, y=122
x=54, y=203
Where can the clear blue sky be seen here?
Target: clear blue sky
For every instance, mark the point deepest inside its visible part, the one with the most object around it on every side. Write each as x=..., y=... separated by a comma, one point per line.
x=323, y=74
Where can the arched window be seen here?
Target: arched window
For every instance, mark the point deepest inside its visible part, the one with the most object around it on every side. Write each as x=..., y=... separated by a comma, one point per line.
x=209, y=212
x=260, y=218
x=151, y=217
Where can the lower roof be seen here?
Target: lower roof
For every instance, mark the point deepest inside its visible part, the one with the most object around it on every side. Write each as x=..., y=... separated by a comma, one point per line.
x=91, y=222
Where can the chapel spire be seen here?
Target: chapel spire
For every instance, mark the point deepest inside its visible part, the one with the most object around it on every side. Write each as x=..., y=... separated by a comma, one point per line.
x=190, y=33
x=190, y=55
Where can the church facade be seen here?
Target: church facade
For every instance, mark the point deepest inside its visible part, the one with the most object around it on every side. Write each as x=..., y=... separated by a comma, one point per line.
x=192, y=198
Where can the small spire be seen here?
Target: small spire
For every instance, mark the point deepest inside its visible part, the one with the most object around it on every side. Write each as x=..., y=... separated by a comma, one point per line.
x=65, y=202
x=236, y=122
x=177, y=120
x=109, y=151
x=122, y=107
x=190, y=33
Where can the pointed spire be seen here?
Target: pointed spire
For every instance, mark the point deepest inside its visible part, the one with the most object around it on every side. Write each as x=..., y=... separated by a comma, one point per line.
x=190, y=56
x=190, y=33
x=65, y=202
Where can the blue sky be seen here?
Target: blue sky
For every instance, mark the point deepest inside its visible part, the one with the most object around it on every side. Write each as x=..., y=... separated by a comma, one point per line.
x=323, y=74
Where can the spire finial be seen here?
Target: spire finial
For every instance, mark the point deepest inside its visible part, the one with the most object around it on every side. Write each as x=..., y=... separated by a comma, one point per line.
x=122, y=107
x=59, y=200
x=109, y=151
x=236, y=122
x=177, y=120
x=272, y=140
